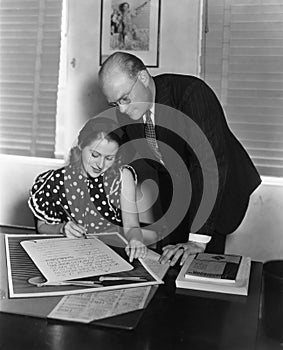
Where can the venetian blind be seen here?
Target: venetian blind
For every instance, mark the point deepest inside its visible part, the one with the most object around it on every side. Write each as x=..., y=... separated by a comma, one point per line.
x=244, y=65
x=30, y=33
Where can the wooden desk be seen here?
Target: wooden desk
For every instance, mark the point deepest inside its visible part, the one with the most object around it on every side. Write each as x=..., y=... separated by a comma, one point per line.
x=174, y=319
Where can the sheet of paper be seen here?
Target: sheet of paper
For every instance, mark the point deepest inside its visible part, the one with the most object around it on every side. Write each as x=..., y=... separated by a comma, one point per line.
x=151, y=261
x=61, y=259
x=89, y=307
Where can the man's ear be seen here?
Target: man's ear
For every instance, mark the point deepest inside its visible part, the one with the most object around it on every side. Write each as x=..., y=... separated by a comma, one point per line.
x=144, y=77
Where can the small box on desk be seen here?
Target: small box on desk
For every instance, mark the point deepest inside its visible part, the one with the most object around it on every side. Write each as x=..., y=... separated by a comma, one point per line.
x=239, y=286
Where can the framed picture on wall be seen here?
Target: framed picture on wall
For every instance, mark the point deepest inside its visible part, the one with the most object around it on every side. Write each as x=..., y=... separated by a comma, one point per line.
x=132, y=27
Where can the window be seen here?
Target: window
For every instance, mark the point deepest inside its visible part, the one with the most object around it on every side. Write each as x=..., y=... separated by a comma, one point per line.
x=30, y=35
x=243, y=63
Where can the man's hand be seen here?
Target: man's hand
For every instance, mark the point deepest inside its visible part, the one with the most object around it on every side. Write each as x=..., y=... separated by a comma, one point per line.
x=172, y=253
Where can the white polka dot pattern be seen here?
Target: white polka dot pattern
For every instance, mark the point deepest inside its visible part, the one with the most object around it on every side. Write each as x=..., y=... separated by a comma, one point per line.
x=88, y=200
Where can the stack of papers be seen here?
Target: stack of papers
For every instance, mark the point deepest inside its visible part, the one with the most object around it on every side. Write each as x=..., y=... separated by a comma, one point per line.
x=239, y=285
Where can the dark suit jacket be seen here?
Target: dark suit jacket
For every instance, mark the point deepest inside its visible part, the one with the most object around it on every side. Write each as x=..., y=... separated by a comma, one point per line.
x=191, y=126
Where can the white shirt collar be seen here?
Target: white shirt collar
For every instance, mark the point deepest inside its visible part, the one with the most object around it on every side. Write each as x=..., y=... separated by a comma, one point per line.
x=152, y=110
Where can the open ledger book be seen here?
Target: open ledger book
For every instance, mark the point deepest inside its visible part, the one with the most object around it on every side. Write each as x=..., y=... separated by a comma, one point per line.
x=195, y=274
x=46, y=265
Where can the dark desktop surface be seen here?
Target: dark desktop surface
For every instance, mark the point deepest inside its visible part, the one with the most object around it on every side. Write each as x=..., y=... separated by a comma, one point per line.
x=174, y=319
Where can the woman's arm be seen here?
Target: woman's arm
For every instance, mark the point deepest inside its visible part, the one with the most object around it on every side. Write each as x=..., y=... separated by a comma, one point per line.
x=68, y=229
x=53, y=229
x=139, y=8
x=128, y=202
x=132, y=231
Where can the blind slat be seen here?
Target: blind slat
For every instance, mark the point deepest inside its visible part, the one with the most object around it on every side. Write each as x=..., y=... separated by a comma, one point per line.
x=30, y=34
x=243, y=64
x=268, y=111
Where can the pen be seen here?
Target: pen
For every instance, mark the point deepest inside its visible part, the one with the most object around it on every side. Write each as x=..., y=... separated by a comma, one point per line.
x=130, y=278
x=83, y=283
x=70, y=217
x=71, y=283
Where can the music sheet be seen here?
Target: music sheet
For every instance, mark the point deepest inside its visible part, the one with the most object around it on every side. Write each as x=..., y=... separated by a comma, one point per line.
x=89, y=307
x=62, y=259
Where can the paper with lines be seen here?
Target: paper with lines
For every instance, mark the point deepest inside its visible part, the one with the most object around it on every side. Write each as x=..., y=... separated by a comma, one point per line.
x=61, y=259
x=89, y=307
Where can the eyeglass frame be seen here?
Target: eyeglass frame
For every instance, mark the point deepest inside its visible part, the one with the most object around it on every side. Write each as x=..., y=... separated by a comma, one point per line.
x=125, y=97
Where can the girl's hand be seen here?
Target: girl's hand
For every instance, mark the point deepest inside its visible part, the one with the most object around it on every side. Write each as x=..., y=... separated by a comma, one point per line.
x=136, y=249
x=73, y=230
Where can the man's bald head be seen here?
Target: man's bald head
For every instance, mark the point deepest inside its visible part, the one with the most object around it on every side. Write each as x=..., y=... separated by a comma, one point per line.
x=120, y=62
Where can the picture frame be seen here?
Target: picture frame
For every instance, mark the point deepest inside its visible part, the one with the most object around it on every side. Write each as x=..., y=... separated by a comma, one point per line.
x=131, y=27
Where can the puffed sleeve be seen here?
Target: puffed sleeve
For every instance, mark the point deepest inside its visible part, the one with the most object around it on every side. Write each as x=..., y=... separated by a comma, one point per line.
x=46, y=196
x=132, y=170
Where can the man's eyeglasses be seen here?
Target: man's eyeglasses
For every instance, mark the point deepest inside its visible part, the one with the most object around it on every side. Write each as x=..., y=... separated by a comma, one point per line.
x=124, y=100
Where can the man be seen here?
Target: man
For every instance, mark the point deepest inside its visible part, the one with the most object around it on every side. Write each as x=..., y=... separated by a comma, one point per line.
x=218, y=176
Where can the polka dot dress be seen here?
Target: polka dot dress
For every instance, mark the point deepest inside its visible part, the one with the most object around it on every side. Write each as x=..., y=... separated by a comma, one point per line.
x=92, y=202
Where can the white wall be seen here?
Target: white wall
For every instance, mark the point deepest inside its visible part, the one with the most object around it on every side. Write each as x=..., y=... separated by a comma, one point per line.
x=260, y=235
x=16, y=178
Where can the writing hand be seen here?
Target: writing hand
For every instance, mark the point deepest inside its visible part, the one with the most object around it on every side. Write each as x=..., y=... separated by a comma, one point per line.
x=136, y=249
x=172, y=253
x=73, y=230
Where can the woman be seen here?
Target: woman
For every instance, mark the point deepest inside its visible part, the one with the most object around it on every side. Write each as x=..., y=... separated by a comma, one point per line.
x=127, y=29
x=94, y=189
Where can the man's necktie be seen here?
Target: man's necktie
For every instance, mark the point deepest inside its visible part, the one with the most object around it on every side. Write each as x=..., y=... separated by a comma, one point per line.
x=150, y=135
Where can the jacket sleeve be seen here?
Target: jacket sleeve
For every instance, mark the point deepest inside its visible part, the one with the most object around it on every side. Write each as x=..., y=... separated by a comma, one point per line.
x=209, y=174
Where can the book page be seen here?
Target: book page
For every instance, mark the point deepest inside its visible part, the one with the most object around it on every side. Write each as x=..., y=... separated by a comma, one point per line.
x=61, y=259
x=89, y=307
x=151, y=261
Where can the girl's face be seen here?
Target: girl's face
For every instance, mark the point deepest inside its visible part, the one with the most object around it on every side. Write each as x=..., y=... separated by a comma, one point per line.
x=125, y=7
x=98, y=157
